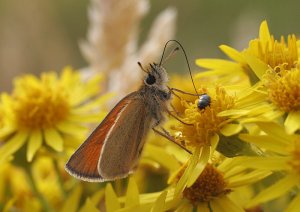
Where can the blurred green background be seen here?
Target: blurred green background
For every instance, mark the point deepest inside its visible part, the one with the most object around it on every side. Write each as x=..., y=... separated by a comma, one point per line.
x=43, y=35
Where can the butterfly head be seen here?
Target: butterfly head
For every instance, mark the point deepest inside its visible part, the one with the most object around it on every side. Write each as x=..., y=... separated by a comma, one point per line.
x=156, y=76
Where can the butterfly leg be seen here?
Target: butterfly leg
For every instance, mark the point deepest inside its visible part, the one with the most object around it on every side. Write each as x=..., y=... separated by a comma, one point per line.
x=174, y=109
x=167, y=135
x=183, y=92
x=178, y=119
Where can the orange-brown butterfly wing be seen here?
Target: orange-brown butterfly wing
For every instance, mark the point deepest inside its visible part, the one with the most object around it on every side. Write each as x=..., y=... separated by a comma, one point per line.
x=121, y=152
x=83, y=164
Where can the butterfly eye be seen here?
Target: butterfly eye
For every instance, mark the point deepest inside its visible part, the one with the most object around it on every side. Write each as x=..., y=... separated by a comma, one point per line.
x=150, y=79
x=203, y=101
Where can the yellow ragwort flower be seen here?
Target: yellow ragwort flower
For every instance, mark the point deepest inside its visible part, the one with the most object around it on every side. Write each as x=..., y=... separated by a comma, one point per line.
x=217, y=125
x=283, y=157
x=262, y=53
x=281, y=78
x=284, y=92
x=205, y=123
x=279, y=55
x=44, y=111
x=210, y=192
x=268, y=62
x=15, y=191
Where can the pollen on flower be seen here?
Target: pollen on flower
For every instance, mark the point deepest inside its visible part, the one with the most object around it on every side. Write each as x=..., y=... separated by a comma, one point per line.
x=284, y=88
x=209, y=185
x=206, y=122
x=39, y=104
x=277, y=54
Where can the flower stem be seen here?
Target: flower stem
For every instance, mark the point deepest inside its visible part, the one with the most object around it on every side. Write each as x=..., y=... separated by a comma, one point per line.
x=59, y=179
x=44, y=203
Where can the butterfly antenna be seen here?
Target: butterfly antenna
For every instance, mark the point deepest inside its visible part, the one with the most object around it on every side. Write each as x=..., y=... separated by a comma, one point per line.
x=170, y=55
x=185, y=55
x=144, y=70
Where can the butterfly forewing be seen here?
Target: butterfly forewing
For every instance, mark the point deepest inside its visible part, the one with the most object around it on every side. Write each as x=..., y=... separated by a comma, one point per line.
x=121, y=151
x=83, y=163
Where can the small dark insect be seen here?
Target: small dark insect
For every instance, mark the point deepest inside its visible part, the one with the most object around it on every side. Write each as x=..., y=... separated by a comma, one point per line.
x=204, y=101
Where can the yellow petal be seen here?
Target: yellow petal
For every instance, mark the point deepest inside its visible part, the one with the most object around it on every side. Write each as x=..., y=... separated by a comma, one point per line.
x=247, y=179
x=72, y=202
x=257, y=66
x=161, y=156
x=292, y=122
x=132, y=195
x=12, y=145
x=233, y=112
x=204, y=157
x=236, y=170
x=187, y=172
x=224, y=65
x=89, y=206
x=97, y=196
x=231, y=129
x=225, y=204
x=275, y=130
x=93, y=104
x=159, y=204
x=91, y=202
x=276, y=190
x=71, y=128
x=53, y=139
x=214, y=142
x=111, y=199
x=203, y=208
x=232, y=53
x=251, y=96
x=294, y=205
x=90, y=90
x=274, y=163
x=264, y=34
x=96, y=118
x=271, y=143
x=6, y=130
x=34, y=143
x=217, y=72
x=185, y=206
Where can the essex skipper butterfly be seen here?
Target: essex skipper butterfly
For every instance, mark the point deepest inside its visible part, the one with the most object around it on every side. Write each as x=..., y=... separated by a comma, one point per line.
x=113, y=149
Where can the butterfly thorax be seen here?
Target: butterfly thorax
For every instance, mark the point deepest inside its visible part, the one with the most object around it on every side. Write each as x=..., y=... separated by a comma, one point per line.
x=155, y=92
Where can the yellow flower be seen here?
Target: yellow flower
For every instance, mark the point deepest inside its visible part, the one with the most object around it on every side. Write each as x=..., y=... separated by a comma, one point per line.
x=45, y=177
x=217, y=127
x=130, y=202
x=42, y=112
x=184, y=84
x=284, y=91
x=15, y=192
x=262, y=53
x=268, y=62
x=279, y=55
x=283, y=156
x=210, y=192
x=276, y=64
x=205, y=123
x=281, y=78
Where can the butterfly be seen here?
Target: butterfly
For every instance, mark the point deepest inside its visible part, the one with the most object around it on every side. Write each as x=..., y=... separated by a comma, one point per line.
x=114, y=148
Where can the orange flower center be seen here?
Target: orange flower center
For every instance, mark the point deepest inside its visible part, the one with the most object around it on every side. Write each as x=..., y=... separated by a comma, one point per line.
x=39, y=104
x=209, y=185
x=284, y=88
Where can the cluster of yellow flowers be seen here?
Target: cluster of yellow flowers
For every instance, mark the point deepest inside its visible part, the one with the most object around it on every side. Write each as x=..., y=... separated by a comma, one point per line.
x=245, y=143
